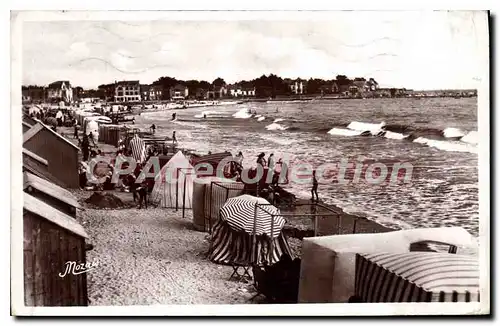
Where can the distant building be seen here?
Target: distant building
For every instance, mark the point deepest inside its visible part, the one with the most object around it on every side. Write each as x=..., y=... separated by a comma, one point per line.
x=145, y=92
x=151, y=92
x=297, y=86
x=241, y=90
x=330, y=88
x=178, y=92
x=26, y=95
x=60, y=91
x=217, y=92
x=127, y=91
x=106, y=92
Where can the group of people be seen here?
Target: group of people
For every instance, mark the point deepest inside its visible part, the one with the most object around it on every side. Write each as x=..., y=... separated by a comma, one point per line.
x=270, y=164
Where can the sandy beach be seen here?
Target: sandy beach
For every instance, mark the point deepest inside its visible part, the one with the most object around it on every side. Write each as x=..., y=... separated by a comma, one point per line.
x=153, y=256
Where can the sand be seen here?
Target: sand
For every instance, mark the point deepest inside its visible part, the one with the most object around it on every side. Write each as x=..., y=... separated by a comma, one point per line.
x=153, y=256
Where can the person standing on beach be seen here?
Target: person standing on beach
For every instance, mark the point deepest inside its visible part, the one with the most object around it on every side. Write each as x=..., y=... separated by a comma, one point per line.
x=75, y=126
x=314, y=189
x=153, y=128
x=261, y=160
x=174, y=139
x=270, y=161
x=85, y=148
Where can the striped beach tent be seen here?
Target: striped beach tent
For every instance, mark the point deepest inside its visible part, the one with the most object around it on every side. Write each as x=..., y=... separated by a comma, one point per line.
x=174, y=183
x=232, y=239
x=138, y=147
x=239, y=213
x=416, y=277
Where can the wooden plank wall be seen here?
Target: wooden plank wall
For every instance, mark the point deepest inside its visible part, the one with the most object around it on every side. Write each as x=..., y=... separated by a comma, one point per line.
x=47, y=248
x=62, y=157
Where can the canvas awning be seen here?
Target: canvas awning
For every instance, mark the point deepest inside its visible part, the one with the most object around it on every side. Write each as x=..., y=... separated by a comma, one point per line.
x=241, y=215
x=417, y=277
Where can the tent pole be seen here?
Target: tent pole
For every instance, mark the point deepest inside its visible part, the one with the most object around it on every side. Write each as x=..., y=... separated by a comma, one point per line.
x=210, y=210
x=177, y=191
x=184, y=197
x=254, y=236
x=272, y=240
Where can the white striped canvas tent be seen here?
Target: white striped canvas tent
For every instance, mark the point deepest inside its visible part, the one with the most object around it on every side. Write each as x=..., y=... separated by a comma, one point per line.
x=416, y=277
x=174, y=178
x=241, y=215
x=232, y=240
x=138, y=147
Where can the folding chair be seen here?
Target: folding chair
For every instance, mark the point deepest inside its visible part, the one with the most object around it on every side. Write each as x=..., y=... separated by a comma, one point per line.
x=238, y=274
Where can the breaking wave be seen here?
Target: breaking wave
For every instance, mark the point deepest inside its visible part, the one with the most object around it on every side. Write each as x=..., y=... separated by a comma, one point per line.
x=242, y=114
x=449, y=139
x=276, y=126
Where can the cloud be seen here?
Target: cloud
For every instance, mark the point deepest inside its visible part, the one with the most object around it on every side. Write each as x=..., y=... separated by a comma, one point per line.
x=399, y=49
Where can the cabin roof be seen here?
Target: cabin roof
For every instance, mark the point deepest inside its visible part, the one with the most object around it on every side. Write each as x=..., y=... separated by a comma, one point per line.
x=39, y=127
x=50, y=189
x=53, y=215
x=35, y=157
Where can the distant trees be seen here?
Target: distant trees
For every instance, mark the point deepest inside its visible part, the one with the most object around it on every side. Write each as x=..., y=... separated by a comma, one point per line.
x=342, y=80
x=218, y=82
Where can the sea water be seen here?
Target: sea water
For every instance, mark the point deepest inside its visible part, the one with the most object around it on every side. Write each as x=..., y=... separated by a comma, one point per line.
x=437, y=136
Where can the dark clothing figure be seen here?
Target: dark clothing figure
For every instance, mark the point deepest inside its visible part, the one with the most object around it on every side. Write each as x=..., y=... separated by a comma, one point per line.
x=83, y=179
x=261, y=160
x=153, y=128
x=75, y=133
x=174, y=115
x=174, y=139
x=314, y=189
x=143, y=193
x=85, y=148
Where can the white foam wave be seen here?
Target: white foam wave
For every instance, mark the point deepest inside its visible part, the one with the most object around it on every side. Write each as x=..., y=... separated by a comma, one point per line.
x=207, y=113
x=445, y=145
x=280, y=141
x=187, y=124
x=453, y=133
x=394, y=135
x=471, y=138
x=374, y=128
x=276, y=126
x=261, y=119
x=242, y=114
x=278, y=120
x=344, y=132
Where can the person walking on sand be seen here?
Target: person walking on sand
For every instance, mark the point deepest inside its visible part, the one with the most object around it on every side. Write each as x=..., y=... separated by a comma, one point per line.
x=314, y=189
x=174, y=139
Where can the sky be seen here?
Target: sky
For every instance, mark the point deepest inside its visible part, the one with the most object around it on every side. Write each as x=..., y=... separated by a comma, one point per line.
x=416, y=50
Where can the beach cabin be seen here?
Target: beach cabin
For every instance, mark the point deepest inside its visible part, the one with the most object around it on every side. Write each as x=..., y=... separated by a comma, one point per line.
x=328, y=267
x=36, y=165
x=51, y=194
x=52, y=241
x=26, y=127
x=29, y=120
x=59, y=152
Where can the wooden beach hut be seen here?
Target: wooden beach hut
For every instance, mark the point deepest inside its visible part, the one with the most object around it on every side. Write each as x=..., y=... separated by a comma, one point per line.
x=29, y=120
x=51, y=194
x=38, y=166
x=60, y=153
x=26, y=127
x=52, y=240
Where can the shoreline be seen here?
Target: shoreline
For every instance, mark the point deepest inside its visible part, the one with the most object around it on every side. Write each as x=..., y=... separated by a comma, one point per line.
x=297, y=226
